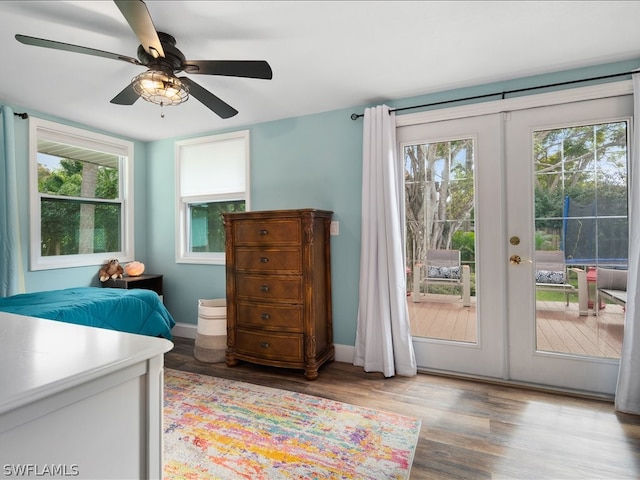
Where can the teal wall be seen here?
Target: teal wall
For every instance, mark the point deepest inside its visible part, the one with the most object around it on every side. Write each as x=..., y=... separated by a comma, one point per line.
x=313, y=161
x=309, y=161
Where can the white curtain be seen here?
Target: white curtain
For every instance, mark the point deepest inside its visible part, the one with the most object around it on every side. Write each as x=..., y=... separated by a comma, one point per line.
x=383, y=335
x=11, y=269
x=628, y=390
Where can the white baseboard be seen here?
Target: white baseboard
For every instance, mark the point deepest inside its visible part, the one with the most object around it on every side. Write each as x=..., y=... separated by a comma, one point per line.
x=344, y=353
x=185, y=330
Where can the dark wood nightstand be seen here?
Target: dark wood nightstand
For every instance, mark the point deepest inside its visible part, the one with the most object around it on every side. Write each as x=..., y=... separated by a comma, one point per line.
x=147, y=281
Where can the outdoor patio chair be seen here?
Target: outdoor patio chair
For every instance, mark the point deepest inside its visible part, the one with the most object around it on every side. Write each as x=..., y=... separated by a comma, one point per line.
x=443, y=267
x=611, y=284
x=552, y=275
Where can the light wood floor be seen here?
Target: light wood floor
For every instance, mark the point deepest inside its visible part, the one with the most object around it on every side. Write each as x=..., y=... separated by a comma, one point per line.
x=470, y=430
x=559, y=328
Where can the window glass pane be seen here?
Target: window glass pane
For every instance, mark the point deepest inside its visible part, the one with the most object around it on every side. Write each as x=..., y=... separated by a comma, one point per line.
x=462, y=160
x=581, y=214
x=440, y=235
x=77, y=172
x=581, y=192
x=207, y=229
x=613, y=243
x=71, y=227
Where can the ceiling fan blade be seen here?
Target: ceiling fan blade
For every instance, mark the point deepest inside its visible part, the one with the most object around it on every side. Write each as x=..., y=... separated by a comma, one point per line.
x=230, y=68
x=139, y=19
x=127, y=96
x=213, y=103
x=41, y=42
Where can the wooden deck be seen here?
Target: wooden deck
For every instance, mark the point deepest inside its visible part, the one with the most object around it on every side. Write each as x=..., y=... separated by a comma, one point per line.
x=559, y=328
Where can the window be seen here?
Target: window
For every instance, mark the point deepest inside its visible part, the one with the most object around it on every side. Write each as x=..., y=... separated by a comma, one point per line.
x=81, y=197
x=212, y=177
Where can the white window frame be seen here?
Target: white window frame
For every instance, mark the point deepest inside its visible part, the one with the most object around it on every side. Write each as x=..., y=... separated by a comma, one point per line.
x=183, y=255
x=82, y=138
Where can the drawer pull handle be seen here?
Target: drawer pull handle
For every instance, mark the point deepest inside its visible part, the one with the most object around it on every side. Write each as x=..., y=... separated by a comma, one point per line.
x=264, y=344
x=264, y=288
x=264, y=259
x=263, y=232
x=265, y=316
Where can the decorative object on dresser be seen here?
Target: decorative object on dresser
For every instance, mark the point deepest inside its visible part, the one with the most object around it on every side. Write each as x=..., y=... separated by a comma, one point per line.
x=278, y=268
x=134, y=269
x=110, y=270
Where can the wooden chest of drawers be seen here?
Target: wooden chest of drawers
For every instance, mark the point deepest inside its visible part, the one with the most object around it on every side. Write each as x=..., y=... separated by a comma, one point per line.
x=279, y=289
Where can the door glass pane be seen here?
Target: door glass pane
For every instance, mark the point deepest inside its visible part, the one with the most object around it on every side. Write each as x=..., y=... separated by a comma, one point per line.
x=440, y=235
x=580, y=225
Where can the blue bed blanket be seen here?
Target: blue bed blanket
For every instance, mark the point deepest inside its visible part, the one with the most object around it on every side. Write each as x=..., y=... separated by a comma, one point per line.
x=133, y=311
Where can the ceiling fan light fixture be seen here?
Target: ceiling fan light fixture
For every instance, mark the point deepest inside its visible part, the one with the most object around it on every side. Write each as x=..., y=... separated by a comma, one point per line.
x=161, y=88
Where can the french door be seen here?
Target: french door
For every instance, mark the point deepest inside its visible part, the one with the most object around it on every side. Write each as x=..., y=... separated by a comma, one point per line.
x=520, y=205
x=577, y=152
x=437, y=145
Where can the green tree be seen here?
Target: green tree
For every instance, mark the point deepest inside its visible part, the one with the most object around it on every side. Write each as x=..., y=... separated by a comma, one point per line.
x=585, y=166
x=439, y=194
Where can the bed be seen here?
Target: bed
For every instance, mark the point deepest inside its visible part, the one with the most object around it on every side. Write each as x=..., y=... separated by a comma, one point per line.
x=137, y=311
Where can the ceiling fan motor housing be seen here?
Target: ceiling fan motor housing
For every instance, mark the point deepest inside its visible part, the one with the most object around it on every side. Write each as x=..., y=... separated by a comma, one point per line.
x=172, y=61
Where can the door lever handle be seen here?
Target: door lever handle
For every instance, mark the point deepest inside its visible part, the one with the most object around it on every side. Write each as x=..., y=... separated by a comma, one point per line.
x=515, y=259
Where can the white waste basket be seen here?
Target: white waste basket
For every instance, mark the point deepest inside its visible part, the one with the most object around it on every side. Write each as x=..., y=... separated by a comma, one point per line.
x=211, y=339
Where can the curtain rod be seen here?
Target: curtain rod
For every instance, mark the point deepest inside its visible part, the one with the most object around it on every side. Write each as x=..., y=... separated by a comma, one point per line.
x=23, y=116
x=355, y=116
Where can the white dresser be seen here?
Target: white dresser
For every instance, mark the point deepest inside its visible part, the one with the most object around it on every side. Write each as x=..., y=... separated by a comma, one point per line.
x=79, y=402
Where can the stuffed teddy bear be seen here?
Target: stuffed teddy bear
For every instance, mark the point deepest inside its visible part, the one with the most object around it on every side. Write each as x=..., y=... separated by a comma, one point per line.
x=111, y=269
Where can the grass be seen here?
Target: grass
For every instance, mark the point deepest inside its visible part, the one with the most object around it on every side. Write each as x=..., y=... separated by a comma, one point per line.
x=547, y=296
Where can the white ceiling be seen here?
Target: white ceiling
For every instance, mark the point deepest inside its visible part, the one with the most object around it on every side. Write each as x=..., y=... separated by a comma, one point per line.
x=325, y=55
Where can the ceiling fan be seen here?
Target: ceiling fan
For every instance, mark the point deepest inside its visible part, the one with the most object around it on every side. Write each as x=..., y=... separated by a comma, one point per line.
x=157, y=51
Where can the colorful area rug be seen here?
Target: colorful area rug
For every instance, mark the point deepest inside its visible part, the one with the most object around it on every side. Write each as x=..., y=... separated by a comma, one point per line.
x=224, y=429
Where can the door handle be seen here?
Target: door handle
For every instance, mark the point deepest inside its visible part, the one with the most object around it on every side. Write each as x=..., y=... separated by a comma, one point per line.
x=515, y=259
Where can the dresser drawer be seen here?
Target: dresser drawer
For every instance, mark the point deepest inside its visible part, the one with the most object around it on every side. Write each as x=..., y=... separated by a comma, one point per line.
x=283, y=348
x=269, y=260
x=265, y=232
x=272, y=288
x=281, y=318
